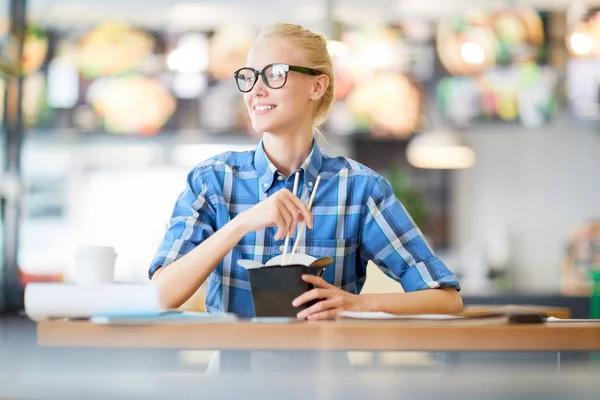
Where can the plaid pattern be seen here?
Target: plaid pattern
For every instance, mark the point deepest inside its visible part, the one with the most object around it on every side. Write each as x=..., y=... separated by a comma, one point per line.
x=356, y=216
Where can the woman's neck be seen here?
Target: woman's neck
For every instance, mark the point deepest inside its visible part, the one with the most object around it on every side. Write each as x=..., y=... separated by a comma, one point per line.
x=287, y=152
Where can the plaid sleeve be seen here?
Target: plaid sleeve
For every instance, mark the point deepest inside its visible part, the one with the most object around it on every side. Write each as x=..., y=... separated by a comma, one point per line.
x=395, y=244
x=192, y=221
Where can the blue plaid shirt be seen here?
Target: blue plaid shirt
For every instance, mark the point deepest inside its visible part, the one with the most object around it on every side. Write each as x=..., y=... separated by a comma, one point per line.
x=357, y=216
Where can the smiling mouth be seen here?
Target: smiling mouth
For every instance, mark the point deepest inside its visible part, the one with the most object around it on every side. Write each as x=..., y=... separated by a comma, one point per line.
x=264, y=107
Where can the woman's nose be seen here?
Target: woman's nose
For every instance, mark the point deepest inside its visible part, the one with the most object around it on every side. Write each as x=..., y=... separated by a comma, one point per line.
x=259, y=87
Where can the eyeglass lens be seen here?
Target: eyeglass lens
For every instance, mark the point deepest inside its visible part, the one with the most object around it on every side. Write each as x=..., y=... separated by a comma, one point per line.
x=274, y=77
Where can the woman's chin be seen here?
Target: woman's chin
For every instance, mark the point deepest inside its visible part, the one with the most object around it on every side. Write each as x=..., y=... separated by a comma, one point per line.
x=264, y=127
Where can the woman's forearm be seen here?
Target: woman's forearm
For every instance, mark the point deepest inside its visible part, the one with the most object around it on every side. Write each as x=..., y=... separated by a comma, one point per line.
x=181, y=279
x=432, y=301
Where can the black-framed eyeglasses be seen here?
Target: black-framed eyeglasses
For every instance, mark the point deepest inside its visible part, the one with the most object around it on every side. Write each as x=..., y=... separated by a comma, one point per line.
x=273, y=75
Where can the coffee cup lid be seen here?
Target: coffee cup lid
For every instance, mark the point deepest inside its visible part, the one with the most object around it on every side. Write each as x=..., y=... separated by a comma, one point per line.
x=95, y=249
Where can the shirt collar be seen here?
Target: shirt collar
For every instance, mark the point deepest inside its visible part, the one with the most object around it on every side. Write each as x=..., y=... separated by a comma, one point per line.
x=266, y=169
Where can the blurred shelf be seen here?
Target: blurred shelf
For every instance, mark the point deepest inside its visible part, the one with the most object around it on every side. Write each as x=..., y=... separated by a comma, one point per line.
x=74, y=136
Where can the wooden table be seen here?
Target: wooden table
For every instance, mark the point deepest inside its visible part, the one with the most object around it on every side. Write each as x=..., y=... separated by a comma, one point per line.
x=327, y=335
x=238, y=342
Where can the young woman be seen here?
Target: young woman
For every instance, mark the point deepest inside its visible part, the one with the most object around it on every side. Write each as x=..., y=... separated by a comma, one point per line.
x=240, y=204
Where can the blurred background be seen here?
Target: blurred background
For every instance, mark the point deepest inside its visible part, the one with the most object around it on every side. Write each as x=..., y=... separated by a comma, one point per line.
x=484, y=116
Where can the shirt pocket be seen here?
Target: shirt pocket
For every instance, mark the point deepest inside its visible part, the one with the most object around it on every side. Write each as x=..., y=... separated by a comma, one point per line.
x=331, y=247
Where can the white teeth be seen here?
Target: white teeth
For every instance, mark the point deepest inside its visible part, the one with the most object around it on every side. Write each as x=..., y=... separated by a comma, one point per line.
x=263, y=107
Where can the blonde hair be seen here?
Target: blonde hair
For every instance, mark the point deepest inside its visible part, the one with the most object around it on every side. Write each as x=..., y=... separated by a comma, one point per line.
x=317, y=57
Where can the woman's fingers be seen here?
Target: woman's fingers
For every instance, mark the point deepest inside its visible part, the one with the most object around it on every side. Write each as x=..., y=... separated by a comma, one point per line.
x=327, y=314
x=319, y=307
x=284, y=221
x=294, y=216
x=299, y=205
x=313, y=294
x=287, y=211
x=317, y=281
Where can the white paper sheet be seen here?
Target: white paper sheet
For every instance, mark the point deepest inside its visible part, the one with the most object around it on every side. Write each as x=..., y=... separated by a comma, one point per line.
x=59, y=300
x=382, y=315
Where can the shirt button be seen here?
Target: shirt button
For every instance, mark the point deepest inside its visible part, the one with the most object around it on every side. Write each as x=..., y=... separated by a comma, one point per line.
x=265, y=184
x=280, y=178
x=310, y=183
x=281, y=248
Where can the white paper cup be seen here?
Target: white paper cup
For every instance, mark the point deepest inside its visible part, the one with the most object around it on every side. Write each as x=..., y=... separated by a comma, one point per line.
x=94, y=264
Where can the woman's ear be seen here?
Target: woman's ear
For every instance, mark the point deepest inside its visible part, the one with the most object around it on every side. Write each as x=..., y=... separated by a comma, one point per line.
x=319, y=87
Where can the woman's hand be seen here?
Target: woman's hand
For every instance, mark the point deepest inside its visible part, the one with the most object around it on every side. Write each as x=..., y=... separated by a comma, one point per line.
x=333, y=300
x=281, y=209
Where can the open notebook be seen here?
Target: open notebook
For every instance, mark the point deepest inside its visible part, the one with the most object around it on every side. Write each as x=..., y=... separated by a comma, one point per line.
x=507, y=317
